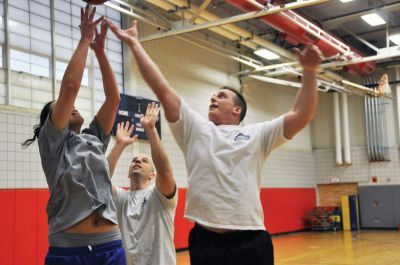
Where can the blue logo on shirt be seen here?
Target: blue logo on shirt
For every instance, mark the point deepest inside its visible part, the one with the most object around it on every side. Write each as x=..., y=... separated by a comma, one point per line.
x=144, y=202
x=241, y=136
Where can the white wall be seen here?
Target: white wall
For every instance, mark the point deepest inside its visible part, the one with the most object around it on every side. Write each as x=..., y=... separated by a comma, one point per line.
x=292, y=164
x=361, y=169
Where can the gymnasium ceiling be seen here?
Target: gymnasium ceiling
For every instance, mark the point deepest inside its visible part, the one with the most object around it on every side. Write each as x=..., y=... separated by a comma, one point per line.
x=340, y=19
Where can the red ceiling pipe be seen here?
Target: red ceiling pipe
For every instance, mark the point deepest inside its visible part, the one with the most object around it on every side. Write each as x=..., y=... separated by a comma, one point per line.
x=296, y=35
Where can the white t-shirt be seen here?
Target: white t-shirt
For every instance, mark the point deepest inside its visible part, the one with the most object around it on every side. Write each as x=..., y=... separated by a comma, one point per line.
x=146, y=221
x=224, y=164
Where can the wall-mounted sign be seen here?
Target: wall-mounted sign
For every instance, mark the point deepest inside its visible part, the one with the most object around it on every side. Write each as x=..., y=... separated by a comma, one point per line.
x=130, y=108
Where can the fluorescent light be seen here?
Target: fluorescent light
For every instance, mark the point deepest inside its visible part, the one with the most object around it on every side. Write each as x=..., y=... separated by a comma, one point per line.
x=373, y=19
x=395, y=38
x=276, y=81
x=266, y=54
x=345, y=1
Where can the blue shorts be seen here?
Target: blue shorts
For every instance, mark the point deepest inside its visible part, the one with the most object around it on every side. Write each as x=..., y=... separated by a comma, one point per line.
x=111, y=253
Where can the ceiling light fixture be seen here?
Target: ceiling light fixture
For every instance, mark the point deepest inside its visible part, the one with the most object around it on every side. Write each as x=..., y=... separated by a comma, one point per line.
x=395, y=38
x=267, y=54
x=373, y=19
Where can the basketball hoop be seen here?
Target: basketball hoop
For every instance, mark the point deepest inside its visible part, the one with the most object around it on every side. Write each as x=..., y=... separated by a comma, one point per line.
x=384, y=87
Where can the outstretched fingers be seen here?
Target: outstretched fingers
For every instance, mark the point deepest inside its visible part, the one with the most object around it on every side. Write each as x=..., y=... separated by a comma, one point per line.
x=99, y=20
x=126, y=126
x=113, y=28
x=131, y=128
x=92, y=13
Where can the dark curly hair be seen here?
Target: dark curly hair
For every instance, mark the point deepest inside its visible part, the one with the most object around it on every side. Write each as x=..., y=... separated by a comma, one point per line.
x=36, y=129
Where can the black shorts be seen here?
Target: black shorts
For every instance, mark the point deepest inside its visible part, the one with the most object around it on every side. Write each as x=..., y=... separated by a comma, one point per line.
x=247, y=247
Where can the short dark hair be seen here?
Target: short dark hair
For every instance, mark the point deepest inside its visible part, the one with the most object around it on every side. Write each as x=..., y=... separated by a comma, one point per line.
x=239, y=101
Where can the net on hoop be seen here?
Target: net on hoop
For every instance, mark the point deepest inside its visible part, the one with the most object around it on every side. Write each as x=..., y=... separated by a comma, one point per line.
x=383, y=86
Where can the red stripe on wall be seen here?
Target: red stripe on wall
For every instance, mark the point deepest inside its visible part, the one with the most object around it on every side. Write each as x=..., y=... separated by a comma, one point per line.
x=285, y=208
x=7, y=226
x=23, y=227
x=182, y=226
x=42, y=229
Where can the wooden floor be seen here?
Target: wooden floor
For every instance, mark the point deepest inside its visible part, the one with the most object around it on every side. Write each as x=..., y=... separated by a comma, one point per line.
x=333, y=248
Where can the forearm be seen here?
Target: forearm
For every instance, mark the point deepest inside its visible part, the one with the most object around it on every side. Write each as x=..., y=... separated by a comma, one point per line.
x=70, y=85
x=306, y=98
x=107, y=112
x=158, y=154
x=74, y=72
x=165, y=180
x=157, y=82
x=114, y=156
x=109, y=82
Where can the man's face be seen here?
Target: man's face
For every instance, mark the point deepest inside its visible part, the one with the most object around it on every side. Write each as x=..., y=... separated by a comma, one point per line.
x=141, y=166
x=222, y=108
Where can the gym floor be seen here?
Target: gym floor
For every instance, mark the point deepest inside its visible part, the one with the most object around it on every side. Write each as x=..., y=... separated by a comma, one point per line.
x=377, y=247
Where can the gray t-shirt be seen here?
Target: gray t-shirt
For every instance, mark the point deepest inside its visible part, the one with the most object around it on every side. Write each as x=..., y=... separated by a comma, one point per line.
x=77, y=174
x=146, y=221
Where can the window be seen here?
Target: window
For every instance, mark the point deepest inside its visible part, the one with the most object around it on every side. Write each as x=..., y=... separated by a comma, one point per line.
x=31, y=52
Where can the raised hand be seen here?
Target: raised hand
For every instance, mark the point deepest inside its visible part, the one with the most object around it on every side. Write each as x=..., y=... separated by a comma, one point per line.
x=123, y=135
x=98, y=43
x=88, y=26
x=310, y=58
x=129, y=36
x=149, y=120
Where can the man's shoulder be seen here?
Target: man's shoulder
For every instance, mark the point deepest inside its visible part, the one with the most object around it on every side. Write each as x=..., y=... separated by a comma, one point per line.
x=122, y=192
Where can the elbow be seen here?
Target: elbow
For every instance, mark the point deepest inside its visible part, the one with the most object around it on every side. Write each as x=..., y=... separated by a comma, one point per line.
x=168, y=174
x=304, y=121
x=304, y=116
x=71, y=86
x=117, y=99
x=114, y=100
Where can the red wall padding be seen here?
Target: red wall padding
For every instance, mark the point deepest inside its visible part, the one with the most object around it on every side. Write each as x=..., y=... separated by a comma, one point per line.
x=23, y=225
x=7, y=226
x=26, y=236
x=42, y=244
x=182, y=226
x=285, y=208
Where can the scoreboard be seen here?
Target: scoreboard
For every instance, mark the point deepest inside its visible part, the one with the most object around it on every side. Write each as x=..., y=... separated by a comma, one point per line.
x=130, y=108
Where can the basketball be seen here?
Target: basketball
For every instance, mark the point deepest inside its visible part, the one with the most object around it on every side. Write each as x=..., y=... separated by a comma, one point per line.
x=95, y=2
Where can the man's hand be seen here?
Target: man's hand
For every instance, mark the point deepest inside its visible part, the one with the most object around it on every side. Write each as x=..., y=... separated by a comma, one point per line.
x=310, y=58
x=129, y=36
x=149, y=120
x=124, y=132
x=88, y=26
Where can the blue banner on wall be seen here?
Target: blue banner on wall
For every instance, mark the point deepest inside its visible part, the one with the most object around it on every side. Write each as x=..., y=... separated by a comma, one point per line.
x=130, y=108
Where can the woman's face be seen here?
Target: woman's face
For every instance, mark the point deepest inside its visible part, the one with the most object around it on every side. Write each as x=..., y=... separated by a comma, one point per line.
x=76, y=120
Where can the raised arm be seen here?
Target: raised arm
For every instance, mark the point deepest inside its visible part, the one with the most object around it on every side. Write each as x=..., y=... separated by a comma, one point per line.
x=150, y=71
x=72, y=78
x=306, y=98
x=165, y=180
x=106, y=114
x=123, y=139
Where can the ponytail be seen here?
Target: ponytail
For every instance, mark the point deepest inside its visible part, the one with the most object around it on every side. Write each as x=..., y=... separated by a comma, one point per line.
x=36, y=129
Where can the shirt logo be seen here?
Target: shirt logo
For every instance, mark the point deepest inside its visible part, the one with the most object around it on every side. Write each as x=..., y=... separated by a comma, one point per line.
x=144, y=202
x=241, y=136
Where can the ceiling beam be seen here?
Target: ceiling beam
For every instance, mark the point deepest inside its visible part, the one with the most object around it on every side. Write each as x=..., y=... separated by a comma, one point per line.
x=200, y=10
x=233, y=19
x=338, y=21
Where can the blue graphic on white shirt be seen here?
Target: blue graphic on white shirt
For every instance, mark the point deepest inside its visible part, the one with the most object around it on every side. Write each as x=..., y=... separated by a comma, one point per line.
x=241, y=136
